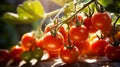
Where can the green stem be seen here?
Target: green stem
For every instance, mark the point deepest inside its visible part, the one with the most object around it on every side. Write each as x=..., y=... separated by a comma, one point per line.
x=114, y=27
x=84, y=6
x=52, y=13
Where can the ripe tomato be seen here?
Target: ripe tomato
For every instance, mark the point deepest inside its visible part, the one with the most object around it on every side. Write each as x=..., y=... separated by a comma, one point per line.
x=62, y=29
x=74, y=20
x=49, y=27
x=51, y=42
x=98, y=46
x=89, y=25
x=101, y=20
x=69, y=55
x=4, y=57
x=83, y=47
x=39, y=42
x=16, y=52
x=27, y=41
x=54, y=54
x=112, y=52
x=78, y=33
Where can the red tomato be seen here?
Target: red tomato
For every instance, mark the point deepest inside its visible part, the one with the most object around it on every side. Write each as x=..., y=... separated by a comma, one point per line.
x=39, y=42
x=98, y=46
x=69, y=55
x=49, y=27
x=78, y=33
x=52, y=43
x=62, y=29
x=83, y=47
x=28, y=41
x=74, y=20
x=112, y=52
x=89, y=25
x=16, y=52
x=54, y=54
x=4, y=57
x=101, y=20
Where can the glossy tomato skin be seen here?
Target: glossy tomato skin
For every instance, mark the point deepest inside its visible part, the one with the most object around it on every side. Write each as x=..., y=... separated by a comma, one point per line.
x=39, y=42
x=101, y=20
x=112, y=52
x=49, y=27
x=89, y=25
x=16, y=52
x=28, y=41
x=98, y=46
x=4, y=57
x=69, y=56
x=83, y=47
x=51, y=42
x=54, y=54
x=78, y=33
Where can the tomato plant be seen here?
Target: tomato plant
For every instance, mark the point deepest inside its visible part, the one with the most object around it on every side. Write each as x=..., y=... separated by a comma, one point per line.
x=69, y=55
x=69, y=34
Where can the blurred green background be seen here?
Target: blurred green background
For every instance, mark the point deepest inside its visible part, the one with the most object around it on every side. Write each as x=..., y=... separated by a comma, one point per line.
x=10, y=34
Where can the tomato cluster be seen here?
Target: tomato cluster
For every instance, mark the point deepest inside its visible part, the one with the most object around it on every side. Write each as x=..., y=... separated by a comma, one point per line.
x=76, y=37
x=68, y=41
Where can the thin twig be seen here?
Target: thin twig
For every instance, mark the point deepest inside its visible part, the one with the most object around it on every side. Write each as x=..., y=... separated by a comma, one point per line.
x=85, y=5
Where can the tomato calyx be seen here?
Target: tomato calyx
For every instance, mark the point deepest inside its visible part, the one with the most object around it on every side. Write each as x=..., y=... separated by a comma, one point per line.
x=99, y=7
x=78, y=23
x=116, y=43
x=90, y=13
x=101, y=36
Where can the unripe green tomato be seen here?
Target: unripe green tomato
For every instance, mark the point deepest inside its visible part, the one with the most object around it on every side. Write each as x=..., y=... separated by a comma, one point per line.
x=38, y=53
x=27, y=56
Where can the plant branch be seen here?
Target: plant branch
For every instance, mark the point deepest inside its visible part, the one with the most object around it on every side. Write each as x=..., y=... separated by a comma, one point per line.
x=84, y=6
x=114, y=27
x=52, y=13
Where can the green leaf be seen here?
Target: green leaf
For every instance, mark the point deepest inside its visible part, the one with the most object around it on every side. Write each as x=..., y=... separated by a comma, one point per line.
x=23, y=14
x=61, y=2
x=105, y=2
x=28, y=12
x=69, y=9
x=31, y=10
x=14, y=18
